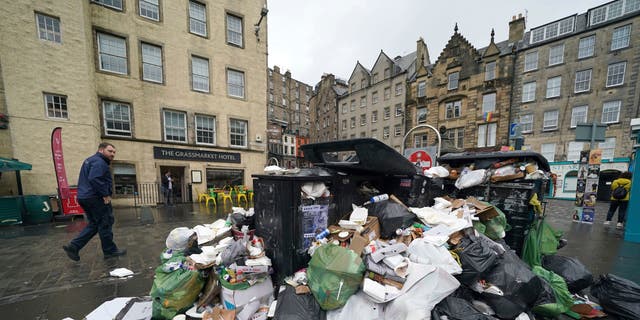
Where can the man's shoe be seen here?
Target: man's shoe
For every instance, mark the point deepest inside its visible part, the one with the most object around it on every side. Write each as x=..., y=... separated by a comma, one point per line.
x=619, y=225
x=71, y=252
x=606, y=223
x=117, y=253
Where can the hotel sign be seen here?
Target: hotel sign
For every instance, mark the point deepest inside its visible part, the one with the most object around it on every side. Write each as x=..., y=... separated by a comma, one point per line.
x=195, y=155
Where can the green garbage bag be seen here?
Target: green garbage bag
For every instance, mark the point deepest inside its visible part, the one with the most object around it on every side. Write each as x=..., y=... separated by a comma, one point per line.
x=541, y=240
x=564, y=300
x=495, y=227
x=334, y=274
x=174, y=291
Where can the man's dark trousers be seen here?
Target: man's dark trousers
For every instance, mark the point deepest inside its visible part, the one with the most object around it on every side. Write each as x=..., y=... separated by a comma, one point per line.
x=100, y=216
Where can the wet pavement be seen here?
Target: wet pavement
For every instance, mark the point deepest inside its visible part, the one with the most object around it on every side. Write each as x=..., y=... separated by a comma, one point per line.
x=40, y=282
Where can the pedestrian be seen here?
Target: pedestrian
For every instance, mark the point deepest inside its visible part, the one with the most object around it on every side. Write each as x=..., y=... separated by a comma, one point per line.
x=167, y=188
x=95, y=187
x=619, y=199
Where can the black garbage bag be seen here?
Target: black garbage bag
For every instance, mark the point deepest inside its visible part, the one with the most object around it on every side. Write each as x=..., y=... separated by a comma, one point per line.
x=574, y=273
x=618, y=296
x=519, y=285
x=391, y=216
x=455, y=308
x=292, y=306
x=476, y=258
x=238, y=220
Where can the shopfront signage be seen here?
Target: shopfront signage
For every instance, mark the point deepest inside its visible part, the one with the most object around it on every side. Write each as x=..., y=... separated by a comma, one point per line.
x=195, y=155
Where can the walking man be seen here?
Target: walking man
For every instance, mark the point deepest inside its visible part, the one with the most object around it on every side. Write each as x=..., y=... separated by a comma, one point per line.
x=167, y=188
x=620, y=189
x=94, y=195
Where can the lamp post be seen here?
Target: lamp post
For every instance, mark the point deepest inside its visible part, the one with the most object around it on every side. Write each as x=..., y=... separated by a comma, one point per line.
x=404, y=139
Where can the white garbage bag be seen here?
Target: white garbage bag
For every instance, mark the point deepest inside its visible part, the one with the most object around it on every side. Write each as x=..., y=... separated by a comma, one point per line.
x=178, y=238
x=424, y=252
x=359, y=306
x=471, y=178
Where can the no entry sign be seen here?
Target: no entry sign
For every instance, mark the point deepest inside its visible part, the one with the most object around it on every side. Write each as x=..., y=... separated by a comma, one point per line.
x=421, y=159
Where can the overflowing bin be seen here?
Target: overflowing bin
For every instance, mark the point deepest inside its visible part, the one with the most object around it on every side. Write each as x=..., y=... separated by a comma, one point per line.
x=38, y=209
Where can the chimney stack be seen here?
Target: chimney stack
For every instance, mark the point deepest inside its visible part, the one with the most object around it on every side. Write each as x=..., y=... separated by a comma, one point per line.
x=516, y=28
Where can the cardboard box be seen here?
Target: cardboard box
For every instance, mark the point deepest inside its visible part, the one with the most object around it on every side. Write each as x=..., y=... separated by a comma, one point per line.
x=483, y=211
x=370, y=232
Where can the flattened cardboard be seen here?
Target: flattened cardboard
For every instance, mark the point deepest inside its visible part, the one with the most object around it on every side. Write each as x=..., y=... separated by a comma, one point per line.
x=483, y=212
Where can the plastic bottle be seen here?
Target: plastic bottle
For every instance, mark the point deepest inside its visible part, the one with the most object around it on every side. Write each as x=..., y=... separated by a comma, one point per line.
x=421, y=226
x=323, y=234
x=378, y=198
x=171, y=266
x=228, y=222
x=167, y=254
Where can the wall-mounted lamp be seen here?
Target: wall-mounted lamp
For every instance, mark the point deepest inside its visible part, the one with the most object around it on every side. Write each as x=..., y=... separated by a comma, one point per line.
x=263, y=13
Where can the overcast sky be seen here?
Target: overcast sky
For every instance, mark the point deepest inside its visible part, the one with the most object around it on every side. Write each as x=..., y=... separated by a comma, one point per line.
x=310, y=38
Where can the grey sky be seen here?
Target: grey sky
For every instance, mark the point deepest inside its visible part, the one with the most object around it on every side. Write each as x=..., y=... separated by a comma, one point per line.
x=310, y=38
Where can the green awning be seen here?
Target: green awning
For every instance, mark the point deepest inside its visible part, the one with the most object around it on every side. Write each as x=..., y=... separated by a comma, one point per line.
x=13, y=165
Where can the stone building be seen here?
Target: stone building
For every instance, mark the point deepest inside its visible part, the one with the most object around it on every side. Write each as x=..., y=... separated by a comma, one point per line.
x=374, y=106
x=288, y=117
x=582, y=68
x=324, y=108
x=465, y=94
x=175, y=85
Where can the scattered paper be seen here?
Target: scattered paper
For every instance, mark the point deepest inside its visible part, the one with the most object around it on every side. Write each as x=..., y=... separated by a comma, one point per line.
x=121, y=273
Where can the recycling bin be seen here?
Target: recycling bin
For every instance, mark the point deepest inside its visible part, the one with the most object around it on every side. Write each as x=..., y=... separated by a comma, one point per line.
x=38, y=209
x=351, y=171
x=11, y=210
x=512, y=197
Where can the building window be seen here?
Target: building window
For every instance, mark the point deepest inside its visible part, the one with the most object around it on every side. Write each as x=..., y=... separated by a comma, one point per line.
x=490, y=71
x=374, y=116
x=387, y=93
x=548, y=150
x=112, y=53
x=363, y=83
x=487, y=135
x=531, y=61
x=284, y=102
x=117, y=118
x=422, y=88
x=456, y=135
x=235, y=83
x=420, y=140
x=550, y=120
x=48, y=28
x=151, y=63
x=611, y=111
x=553, y=30
x=612, y=10
x=205, y=129
x=556, y=55
x=489, y=102
x=149, y=9
x=116, y=4
x=529, y=91
x=234, y=30
x=197, y=18
x=374, y=97
x=526, y=123
x=363, y=134
x=453, y=109
x=453, y=81
x=270, y=97
x=620, y=37
x=573, y=153
x=583, y=81
x=398, y=89
x=615, y=74
x=397, y=130
x=238, y=132
x=374, y=133
x=385, y=133
x=353, y=122
x=586, y=47
x=579, y=115
x=608, y=148
x=200, y=74
x=363, y=102
x=537, y=35
x=344, y=108
x=56, y=106
x=175, y=126
x=375, y=77
x=124, y=178
x=421, y=115
x=399, y=110
x=387, y=113
x=387, y=73
x=344, y=124
x=363, y=119
x=553, y=87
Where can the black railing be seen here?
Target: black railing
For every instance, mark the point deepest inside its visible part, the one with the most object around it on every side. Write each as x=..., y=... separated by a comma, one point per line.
x=151, y=194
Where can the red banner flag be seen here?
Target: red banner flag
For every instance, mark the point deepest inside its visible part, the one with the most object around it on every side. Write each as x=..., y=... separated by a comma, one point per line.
x=58, y=163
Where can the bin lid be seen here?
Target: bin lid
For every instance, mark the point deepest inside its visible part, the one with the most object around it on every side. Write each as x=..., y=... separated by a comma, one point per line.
x=463, y=158
x=364, y=155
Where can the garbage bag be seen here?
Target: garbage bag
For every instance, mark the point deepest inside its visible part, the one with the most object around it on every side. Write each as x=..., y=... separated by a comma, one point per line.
x=292, y=306
x=422, y=251
x=454, y=308
x=618, y=296
x=174, y=291
x=426, y=286
x=541, y=240
x=476, y=258
x=391, y=216
x=334, y=274
x=178, y=238
x=519, y=286
x=562, y=297
x=359, y=306
x=571, y=270
x=469, y=179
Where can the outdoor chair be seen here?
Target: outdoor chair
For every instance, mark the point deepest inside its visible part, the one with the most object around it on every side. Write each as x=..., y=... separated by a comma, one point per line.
x=241, y=193
x=225, y=194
